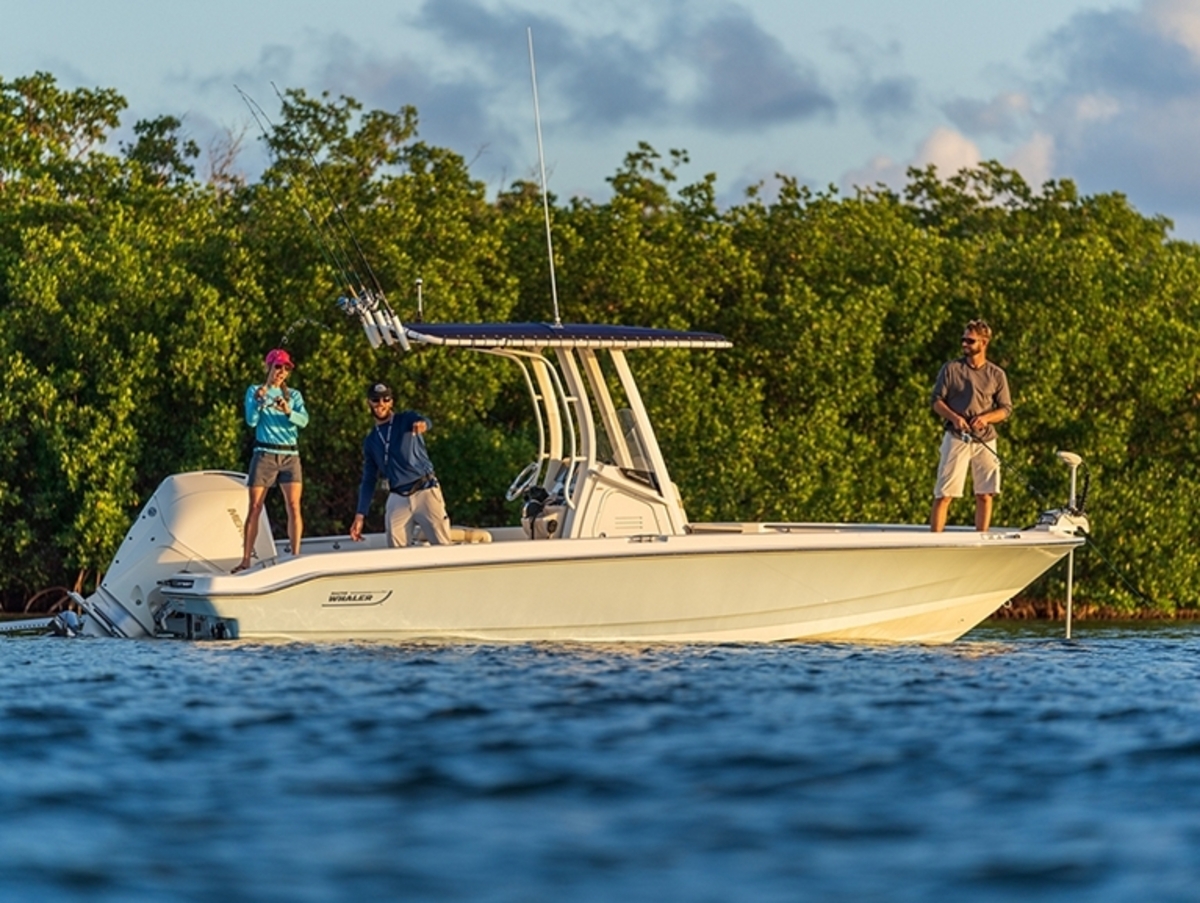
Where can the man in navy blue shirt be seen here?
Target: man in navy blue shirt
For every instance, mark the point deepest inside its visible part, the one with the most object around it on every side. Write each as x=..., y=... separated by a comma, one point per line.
x=395, y=449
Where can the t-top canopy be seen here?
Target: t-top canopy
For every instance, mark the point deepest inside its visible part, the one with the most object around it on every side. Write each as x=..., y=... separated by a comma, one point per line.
x=567, y=335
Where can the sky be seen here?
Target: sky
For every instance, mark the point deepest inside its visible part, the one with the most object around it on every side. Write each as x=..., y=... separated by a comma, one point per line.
x=839, y=93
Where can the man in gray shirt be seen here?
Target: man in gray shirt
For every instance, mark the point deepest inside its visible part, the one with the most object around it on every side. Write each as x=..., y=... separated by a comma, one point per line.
x=971, y=396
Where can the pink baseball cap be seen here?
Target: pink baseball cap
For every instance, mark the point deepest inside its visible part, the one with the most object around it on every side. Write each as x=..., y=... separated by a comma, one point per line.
x=277, y=357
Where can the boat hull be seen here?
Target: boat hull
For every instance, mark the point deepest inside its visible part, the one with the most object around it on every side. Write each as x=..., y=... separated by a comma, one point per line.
x=899, y=585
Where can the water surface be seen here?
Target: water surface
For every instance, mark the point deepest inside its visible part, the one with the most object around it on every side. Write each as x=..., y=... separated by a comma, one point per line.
x=1010, y=764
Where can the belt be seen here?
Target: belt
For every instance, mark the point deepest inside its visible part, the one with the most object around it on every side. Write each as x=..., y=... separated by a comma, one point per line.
x=426, y=482
x=263, y=446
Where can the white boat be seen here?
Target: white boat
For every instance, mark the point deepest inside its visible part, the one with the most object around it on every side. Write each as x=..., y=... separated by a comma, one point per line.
x=605, y=551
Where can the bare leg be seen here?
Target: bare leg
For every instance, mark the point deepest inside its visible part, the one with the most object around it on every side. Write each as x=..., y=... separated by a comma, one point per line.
x=983, y=512
x=937, y=516
x=291, y=499
x=258, y=495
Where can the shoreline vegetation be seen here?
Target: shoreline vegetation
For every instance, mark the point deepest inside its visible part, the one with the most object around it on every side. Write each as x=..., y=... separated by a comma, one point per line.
x=141, y=284
x=1022, y=609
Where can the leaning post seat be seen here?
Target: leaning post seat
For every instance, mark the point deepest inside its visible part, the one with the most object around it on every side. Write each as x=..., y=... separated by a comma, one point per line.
x=458, y=535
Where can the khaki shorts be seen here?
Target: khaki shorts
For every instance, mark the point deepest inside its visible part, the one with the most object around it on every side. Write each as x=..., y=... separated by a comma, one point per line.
x=269, y=468
x=956, y=457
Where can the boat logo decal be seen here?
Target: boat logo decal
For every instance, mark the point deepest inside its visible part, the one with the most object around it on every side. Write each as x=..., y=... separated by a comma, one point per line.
x=358, y=597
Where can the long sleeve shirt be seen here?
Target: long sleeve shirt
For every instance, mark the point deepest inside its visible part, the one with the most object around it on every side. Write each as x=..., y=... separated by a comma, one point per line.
x=271, y=425
x=394, y=450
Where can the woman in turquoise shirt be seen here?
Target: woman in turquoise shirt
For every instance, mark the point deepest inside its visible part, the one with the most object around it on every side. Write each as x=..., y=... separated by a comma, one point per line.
x=277, y=413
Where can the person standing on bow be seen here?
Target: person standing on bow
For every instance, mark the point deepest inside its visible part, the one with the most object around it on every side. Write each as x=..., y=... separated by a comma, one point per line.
x=277, y=413
x=395, y=449
x=971, y=396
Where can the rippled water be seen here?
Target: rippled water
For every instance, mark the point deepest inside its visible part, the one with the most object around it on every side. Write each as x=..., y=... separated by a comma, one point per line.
x=1011, y=764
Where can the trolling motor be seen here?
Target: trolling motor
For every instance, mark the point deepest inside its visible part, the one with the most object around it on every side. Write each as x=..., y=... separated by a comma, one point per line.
x=1070, y=519
x=379, y=323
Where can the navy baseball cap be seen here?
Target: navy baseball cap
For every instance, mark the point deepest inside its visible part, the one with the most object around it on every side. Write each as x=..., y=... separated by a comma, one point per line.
x=378, y=392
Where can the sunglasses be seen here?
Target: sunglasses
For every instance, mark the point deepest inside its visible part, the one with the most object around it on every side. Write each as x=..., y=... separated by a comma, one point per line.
x=967, y=340
x=375, y=401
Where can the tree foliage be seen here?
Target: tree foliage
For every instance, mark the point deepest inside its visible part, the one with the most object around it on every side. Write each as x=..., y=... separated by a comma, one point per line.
x=136, y=302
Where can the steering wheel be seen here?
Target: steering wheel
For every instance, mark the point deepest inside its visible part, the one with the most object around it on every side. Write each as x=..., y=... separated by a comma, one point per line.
x=524, y=480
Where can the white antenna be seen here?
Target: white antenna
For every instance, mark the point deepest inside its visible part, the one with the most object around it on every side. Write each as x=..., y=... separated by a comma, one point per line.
x=537, y=118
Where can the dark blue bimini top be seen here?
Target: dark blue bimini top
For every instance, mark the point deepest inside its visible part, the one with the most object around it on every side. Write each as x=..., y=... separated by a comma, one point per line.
x=567, y=335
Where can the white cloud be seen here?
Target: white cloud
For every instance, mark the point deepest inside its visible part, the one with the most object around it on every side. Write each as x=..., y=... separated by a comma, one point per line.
x=1119, y=112
x=949, y=151
x=1176, y=20
x=1034, y=159
x=945, y=148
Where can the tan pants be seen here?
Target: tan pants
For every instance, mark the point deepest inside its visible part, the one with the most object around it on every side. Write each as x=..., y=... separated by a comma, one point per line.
x=426, y=509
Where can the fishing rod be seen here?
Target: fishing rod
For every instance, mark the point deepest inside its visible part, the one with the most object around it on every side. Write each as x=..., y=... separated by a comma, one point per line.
x=374, y=311
x=337, y=208
x=1073, y=508
x=340, y=264
x=371, y=307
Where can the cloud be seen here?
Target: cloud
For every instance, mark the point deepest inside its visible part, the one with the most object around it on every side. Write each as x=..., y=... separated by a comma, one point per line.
x=880, y=90
x=879, y=170
x=1112, y=101
x=948, y=150
x=944, y=148
x=1034, y=159
x=1178, y=21
x=741, y=77
x=747, y=79
x=889, y=97
x=1003, y=116
x=1122, y=106
x=1147, y=152
x=706, y=69
x=606, y=80
x=1123, y=51
x=452, y=112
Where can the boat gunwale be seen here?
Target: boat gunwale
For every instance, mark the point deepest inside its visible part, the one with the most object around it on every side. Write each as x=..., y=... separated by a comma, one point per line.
x=258, y=582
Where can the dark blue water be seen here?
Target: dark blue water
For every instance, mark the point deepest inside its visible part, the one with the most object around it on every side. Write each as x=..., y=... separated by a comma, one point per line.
x=1009, y=765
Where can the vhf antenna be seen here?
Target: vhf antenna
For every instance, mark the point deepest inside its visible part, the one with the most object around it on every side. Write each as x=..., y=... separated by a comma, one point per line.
x=537, y=118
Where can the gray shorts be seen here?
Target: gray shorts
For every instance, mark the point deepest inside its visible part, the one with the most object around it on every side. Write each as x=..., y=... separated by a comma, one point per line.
x=269, y=468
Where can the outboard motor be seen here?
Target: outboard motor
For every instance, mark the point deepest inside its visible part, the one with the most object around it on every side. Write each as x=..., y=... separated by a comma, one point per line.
x=66, y=623
x=193, y=523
